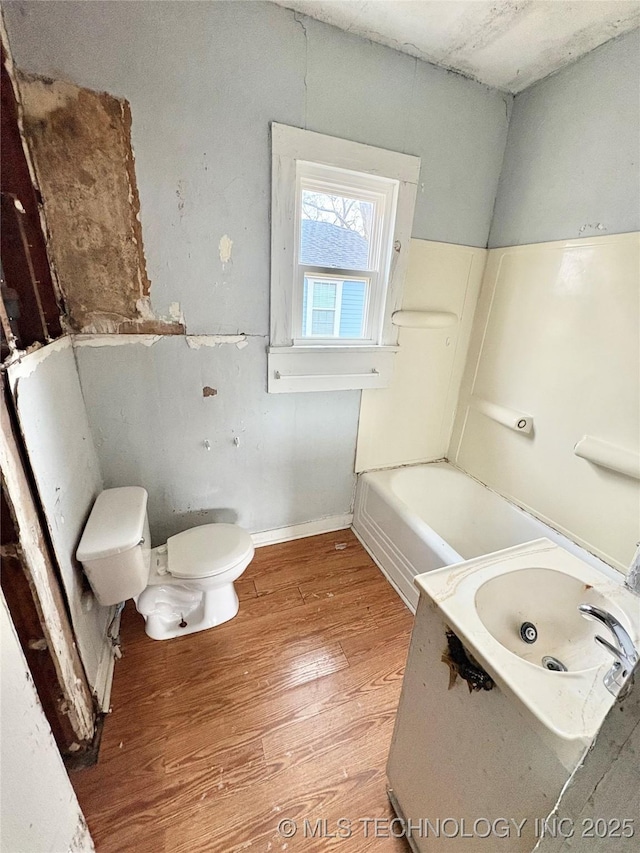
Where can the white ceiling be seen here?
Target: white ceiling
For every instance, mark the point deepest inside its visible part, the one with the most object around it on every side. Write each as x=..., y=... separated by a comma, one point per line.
x=508, y=44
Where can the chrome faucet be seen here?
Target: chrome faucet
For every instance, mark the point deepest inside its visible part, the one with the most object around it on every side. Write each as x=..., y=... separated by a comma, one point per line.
x=624, y=652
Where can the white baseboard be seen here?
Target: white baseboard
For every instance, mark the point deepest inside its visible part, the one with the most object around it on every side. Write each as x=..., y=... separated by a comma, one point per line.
x=301, y=531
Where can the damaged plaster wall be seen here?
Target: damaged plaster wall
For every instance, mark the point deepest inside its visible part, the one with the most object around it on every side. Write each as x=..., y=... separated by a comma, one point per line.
x=80, y=143
x=604, y=789
x=204, y=81
x=571, y=167
x=56, y=435
x=40, y=811
x=261, y=460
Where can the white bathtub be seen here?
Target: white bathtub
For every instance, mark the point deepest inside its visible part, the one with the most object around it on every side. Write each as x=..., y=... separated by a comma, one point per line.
x=424, y=517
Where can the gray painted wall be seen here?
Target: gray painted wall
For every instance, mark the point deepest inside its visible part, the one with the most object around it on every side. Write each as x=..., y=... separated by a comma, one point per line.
x=204, y=81
x=605, y=788
x=294, y=453
x=571, y=166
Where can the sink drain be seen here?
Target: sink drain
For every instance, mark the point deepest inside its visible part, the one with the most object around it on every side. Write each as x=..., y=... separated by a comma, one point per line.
x=555, y=665
x=528, y=632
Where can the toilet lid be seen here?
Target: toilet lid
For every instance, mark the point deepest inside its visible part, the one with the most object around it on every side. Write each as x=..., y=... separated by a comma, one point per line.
x=207, y=550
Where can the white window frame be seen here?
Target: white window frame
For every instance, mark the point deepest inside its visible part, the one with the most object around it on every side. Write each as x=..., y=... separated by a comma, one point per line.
x=302, y=363
x=383, y=193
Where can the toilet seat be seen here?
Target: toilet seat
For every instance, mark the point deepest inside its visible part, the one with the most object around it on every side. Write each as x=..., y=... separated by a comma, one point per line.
x=207, y=550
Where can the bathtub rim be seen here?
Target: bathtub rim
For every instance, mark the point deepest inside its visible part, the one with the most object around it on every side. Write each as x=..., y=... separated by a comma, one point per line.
x=556, y=534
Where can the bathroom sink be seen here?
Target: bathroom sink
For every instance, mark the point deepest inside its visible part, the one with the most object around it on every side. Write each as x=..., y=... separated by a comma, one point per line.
x=495, y=603
x=534, y=614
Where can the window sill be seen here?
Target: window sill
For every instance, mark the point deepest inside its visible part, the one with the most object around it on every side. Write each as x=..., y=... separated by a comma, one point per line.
x=329, y=368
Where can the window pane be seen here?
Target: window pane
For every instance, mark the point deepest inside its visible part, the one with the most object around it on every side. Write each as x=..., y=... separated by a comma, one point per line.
x=324, y=294
x=322, y=323
x=354, y=297
x=335, y=231
x=321, y=298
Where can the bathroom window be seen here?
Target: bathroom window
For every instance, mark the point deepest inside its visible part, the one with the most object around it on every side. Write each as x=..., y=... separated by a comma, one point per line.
x=334, y=308
x=341, y=224
x=344, y=227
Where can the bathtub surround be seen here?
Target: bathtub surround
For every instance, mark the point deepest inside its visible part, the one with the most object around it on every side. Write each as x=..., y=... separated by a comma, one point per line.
x=411, y=420
x=556, y=335
x=571, y=167
x=201, y=106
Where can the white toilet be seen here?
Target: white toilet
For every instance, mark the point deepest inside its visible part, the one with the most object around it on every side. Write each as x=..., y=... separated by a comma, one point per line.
x=179, y=588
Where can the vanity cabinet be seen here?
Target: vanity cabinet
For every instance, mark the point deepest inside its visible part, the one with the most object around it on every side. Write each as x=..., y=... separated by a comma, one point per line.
x=469, y=763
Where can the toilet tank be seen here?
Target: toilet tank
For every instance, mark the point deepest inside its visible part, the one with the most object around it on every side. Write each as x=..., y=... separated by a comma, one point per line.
x=115, y=548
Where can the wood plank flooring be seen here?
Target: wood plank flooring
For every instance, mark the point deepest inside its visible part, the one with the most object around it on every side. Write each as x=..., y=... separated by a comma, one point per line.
x=286, y=711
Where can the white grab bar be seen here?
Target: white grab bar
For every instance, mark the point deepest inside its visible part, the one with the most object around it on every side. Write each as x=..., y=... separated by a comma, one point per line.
x=517, y=421
x=608, y=455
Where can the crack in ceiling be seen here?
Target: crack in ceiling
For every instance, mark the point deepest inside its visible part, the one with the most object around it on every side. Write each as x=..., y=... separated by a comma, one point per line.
x=508, y=44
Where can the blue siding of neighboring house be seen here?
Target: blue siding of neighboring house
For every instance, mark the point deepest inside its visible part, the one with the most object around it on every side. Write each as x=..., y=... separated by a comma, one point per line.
x=353, y=296
x=352, y=313
x=324, y=244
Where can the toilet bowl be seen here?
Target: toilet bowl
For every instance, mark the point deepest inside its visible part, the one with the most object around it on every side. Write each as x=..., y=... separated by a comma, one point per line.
x=179, y=588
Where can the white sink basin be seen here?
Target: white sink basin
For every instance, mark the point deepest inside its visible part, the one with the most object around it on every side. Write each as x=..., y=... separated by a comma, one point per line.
x=548, y=600
x=486, y=601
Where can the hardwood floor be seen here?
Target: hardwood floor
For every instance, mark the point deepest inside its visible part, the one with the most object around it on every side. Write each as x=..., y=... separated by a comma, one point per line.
x=286, y=711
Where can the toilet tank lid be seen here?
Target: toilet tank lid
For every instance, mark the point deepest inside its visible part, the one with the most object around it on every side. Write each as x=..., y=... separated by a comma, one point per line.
x=115, y=524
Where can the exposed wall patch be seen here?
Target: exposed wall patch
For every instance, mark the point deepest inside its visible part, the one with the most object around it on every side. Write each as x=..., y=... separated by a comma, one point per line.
x=208, y=391
x=175, y=313
x=197, y=341
x=114, y=340
x=81, y=146
x=224, y=249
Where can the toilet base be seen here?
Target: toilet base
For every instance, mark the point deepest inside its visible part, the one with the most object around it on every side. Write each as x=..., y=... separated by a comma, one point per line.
x=172, y=609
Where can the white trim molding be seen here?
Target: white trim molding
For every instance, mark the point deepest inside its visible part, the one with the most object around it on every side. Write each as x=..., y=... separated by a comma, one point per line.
x=302, y=531
x=354, y=362
x=324, y=368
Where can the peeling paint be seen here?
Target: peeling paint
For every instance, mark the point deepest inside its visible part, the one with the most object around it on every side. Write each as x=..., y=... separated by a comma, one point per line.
x=175, y=313
x=148, y=340
x=597, y=227
x=208, y=391
x=24, y=363
x=197, y=341
x=224, y=250
x=143, y=306
x=114, y=340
